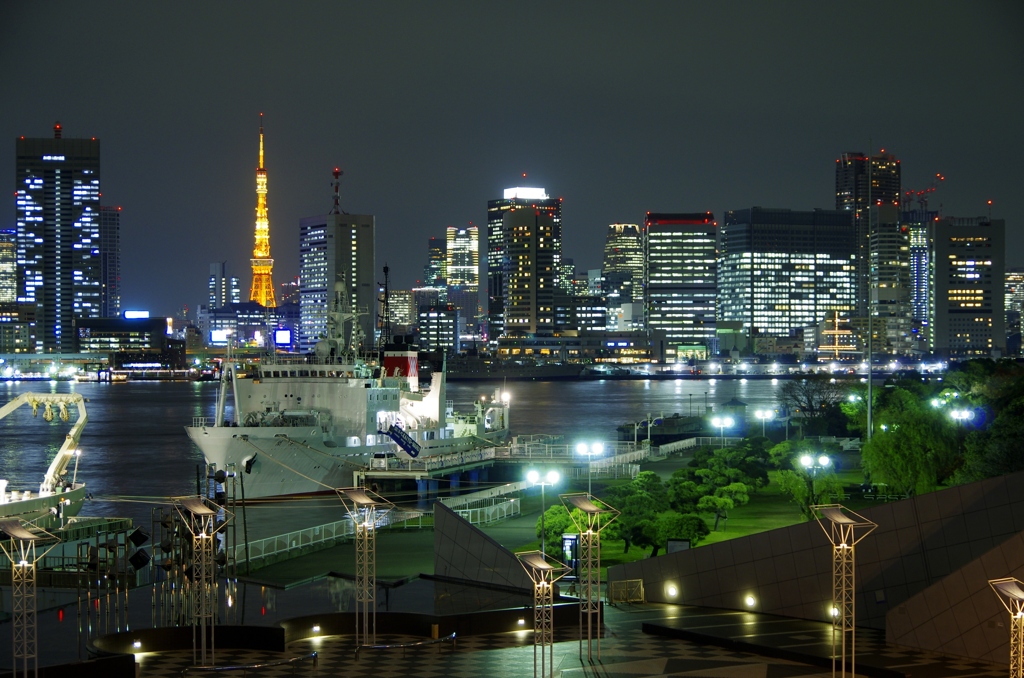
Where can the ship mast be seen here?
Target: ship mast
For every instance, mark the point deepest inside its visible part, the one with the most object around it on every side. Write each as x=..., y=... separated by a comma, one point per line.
x=262, y=291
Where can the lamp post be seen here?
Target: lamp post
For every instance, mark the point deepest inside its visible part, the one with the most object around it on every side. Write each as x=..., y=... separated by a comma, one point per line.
x=550, y=478
x=764, y=415
x=812, y=466
x=962, y=415
x=590, y=451
x=722, y=423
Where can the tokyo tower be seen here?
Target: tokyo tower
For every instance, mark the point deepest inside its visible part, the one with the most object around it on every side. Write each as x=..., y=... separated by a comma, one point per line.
x=262, y=291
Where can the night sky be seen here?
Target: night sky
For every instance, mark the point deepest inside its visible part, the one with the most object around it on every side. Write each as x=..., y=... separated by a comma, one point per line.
x=432, y=108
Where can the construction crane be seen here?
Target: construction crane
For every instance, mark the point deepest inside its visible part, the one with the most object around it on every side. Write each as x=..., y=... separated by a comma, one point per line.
x=921, y=197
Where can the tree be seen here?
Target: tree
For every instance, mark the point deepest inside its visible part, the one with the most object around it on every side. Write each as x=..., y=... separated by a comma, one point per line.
x=807, y=490
x=557, y=522
x=723, y=499
x=916, y=448
x=814, y=395
x=996, y=451
x=671, y=525
x=639, y=503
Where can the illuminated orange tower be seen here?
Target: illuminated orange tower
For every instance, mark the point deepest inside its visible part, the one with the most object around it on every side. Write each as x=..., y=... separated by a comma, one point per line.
x=262, y=291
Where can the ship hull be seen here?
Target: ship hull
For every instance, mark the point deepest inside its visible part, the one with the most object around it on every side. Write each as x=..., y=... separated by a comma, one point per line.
x=282, y=461
x=49, y=511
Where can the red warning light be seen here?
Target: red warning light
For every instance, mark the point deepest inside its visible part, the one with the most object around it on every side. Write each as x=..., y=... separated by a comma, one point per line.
x=60, y=615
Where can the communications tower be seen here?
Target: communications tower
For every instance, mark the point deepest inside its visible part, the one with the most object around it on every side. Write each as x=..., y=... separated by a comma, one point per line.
x=262, y=291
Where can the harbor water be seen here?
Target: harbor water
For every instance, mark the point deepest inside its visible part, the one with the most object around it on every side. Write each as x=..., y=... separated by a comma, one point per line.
x=135, y=453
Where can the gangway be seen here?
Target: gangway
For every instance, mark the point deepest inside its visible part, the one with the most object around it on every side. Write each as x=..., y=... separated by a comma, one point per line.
x=403, y=440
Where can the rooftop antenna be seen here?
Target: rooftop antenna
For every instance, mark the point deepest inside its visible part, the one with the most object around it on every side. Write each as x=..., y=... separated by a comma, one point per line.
x=385, y=313
x=336, y=185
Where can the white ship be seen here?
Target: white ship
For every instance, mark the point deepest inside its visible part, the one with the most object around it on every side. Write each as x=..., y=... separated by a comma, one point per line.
x=58, y=498
x=304, y=424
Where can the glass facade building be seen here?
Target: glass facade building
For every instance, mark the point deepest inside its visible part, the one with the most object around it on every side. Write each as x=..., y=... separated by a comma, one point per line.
x=780, y=271
x=333, y=247
x=57, y=194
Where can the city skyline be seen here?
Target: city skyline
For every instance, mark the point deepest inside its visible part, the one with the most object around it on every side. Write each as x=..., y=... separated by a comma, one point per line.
x=424, y=141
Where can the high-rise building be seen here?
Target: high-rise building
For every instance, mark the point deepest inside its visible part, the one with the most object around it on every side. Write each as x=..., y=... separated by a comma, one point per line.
x=221, y=288
x=780, y=271
x=860, y=182
x=680, y=281
x=624, y=262
x=531, y=279
x=968, y=267
x=890, y=280
x=498, y=261
x=439, y=328
x=434, y=271
x=110, y=261
x=262, y=291
x=8, y=267
x=918, y=224
x=333, y=247
x=462, y=257
x=57, y=193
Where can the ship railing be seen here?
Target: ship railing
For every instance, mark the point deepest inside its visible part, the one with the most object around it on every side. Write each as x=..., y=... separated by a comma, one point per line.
x=200, y=422
x=466, y=500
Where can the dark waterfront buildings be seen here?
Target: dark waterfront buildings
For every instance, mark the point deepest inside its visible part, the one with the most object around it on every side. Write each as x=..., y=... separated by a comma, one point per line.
x=780, y=271
x=679, y=286
x=863, y=182
x=57, y=194
x=499, y=240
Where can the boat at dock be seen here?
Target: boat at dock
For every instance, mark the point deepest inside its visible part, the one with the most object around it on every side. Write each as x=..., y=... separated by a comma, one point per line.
x=305, y=424
x=58, y=498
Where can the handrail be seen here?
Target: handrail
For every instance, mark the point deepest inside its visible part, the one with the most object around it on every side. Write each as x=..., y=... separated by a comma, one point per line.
x=403, y=646
x=245, y=667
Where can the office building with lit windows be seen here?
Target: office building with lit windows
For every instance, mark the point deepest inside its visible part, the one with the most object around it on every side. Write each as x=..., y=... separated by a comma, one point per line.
x=498, y=241
x=462, y=268
x=968, y=269
x=57, y=194
x=222, y=289
x=333, y=247
x=434, y=270
x=680, y=281
x=862, y=181
x=531, y=279
x=623, y=265
x=439, y=328
x=780, y=271
x=110, y=261
x=8, y=267
x=890, y=281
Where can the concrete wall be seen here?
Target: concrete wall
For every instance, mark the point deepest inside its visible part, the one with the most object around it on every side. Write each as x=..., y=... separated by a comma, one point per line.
x=918, y=542
x=960, y=614
x=461, y=551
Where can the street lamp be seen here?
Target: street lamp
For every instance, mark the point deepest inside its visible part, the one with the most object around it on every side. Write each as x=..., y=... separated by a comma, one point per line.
x=764, y=415
x=590, y=451
x=722, y=423
x=962, y=415
x=549, y=479
x=812, y=465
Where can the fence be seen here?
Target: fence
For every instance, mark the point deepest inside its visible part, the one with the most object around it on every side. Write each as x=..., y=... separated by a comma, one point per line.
x=694, y=443
x=626, y=591
x=482, y=515
x=483, y=495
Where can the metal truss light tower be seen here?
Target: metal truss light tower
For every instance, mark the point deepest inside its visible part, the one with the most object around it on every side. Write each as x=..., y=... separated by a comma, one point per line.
x=203, y=519
x=368, y=510
x=544, y=572
x=21, y=550
x=1011, y=594
x=262, y=291
x=590, y=518
x=845, y=530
